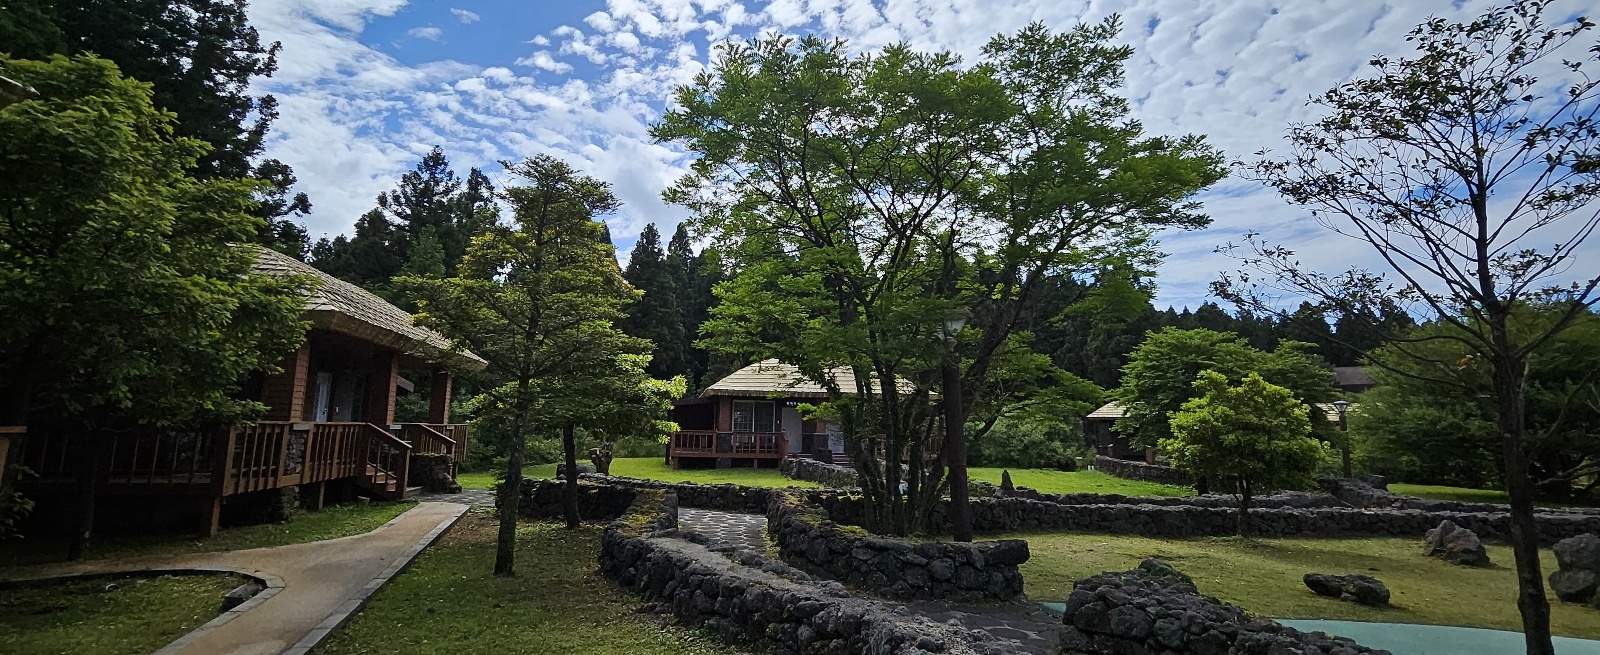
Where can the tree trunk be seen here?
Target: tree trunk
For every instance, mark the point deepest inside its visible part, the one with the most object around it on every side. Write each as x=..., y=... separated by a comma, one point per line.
x=510, y=497
x=569, y=496
x=88, y=483
x=1524, y=537
x=955, y=454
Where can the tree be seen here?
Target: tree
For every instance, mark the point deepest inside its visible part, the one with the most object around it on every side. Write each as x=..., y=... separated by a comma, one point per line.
x=1255, y=437
x=1474, y=181
x=1160, y=374
x=536, y=299
x=863, y=200
x=128, y=299
x=1419, y=430
x=657, y=315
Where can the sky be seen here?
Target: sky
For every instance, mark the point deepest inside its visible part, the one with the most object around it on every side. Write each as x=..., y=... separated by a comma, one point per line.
x=366, y=87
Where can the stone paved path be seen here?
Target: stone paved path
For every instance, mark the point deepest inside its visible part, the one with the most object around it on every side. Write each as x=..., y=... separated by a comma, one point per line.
x=1032, y=627
x=742, y=530
x=311, y=587
x=473, y=497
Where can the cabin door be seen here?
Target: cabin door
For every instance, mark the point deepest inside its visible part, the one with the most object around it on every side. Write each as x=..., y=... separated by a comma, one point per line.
x=324, y=396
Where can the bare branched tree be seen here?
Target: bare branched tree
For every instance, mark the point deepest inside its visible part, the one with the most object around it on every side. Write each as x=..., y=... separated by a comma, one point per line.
x=1474, y=179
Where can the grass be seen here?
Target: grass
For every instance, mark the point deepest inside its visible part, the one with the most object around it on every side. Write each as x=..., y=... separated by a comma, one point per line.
x=1439, y=492
x=449, y=603
x=1263, y=576
x=107, y=616
x=1062, y=482
x=330, y=522
x=1045, y=480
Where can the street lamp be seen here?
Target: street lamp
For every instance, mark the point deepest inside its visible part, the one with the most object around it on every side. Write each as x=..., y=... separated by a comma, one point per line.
x=955, y=443
x=12, y=91
x=1341, y=406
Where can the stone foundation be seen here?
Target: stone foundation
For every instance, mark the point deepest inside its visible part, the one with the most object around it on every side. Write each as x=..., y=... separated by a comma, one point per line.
x=433, y=473
x=807, y=538
x=1131, y=470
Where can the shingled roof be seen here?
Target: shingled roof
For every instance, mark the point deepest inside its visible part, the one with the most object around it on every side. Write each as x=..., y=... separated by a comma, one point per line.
x=770, y=376
x=339, y=306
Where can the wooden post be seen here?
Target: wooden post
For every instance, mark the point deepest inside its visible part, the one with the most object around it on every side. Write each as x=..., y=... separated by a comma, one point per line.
x=380, y=388
x=439, y=399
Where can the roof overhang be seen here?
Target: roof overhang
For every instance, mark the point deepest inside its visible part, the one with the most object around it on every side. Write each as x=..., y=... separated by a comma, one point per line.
x=350, y=326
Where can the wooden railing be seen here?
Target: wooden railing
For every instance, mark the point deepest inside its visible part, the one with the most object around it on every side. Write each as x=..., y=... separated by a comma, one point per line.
x=704, y=443
x=388, y=463
x=333, y=451
x=457, y=432
x=428, y=440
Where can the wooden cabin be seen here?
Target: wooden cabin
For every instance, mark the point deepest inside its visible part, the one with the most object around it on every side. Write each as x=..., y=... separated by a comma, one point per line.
x=329, y=430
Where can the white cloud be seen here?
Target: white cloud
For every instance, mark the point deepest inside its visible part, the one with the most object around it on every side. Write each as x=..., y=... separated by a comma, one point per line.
x=430, y=33
x=1238, y=71
x=466, y=17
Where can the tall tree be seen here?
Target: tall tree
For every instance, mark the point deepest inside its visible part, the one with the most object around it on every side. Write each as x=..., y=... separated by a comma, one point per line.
x=127, y=299
x=1475, y=182
x=859, y=199
x=535, y=298
x=657, y=316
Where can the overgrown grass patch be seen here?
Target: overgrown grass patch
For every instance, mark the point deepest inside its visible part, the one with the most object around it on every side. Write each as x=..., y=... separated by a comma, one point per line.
x=108, y=616
x=1264, y=577
x=450, y=603
x=330, y=522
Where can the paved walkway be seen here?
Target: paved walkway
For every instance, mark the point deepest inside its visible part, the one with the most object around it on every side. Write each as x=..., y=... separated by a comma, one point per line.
x=741, y=530
x=473, y=497
x=1034, y=629
x=312, y=588
x=1405, y=639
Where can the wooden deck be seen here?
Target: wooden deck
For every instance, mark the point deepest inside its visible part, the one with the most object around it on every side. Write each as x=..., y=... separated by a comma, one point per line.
x=735, y=445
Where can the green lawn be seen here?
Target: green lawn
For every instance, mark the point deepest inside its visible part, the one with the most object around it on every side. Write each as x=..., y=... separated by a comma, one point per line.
x=329, y=523
x=1438, y=492
x=449, y=603
x=1045, y=480
x=108, y=616
x=1061, y=482
x=1263, y=576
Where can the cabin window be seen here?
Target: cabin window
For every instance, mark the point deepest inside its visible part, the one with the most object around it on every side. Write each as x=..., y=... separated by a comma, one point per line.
x=753, y=416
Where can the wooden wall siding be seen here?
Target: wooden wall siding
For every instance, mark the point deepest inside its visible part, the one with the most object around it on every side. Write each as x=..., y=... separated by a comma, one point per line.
x=380, y=388
x=725, y=414
x=439, y=401
x=284, y=393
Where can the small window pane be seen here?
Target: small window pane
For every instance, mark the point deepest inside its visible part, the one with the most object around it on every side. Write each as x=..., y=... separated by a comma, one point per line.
x=743, y=416
x=764, y=417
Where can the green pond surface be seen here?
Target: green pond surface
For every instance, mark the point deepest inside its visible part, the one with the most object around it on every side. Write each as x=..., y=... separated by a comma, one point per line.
x=1413, y=639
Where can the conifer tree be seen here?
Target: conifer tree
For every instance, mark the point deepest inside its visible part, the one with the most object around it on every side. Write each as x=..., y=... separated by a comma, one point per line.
x=657, y=315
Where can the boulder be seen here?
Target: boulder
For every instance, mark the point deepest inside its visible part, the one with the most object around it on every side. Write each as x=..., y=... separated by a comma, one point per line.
x=240, y=594
x=1455, y=544
x=1159, y=568
x=1363, y=589
x=1577, y=575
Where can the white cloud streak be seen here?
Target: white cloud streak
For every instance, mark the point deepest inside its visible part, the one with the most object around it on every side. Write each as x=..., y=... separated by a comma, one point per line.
x=466, y=17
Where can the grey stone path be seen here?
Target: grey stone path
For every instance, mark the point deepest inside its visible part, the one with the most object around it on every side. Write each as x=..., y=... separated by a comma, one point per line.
x=471, y=497
x=1032, y=627
x=742, y=530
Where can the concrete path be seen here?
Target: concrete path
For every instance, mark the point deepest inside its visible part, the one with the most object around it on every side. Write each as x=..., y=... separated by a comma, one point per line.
x=312, y=588
x=741, y=530
x=474, y=497
x=1407, y=639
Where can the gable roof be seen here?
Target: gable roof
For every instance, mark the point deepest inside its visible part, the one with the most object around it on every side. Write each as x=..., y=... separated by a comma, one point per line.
x=770, y=376
x=338, y=306
x=1352, y=378
x=1109, y=411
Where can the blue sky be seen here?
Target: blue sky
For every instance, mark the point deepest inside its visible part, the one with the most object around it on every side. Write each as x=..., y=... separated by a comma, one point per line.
x=367, y=86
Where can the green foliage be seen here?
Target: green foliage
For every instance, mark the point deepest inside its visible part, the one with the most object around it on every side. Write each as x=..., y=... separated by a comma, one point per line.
x=1253, y=437
x=658, y=315
x=1160, y=377
x=124, y=294
x=1030, y=444
x=862, y=199
x=1426, y=422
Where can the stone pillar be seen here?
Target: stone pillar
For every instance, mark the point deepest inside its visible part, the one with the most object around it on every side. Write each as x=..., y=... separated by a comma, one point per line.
x=380, y=388
x=439, y=400
x=284, y=392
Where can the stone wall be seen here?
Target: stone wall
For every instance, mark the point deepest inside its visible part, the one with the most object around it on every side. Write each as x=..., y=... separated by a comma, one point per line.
x=807, y=538
x=543, y=499
x=433, y=473
x=1143, y=612
x=1360, y=494
x=826, y=474
x=748, y=599
x=1291, y=499
x=1131, y=470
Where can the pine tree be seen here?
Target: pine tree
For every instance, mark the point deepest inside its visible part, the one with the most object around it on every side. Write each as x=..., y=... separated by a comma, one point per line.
x=657, y=316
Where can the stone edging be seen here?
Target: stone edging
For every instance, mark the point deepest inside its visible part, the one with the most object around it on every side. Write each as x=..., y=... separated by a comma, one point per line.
x=355, y=602
x=826, y=474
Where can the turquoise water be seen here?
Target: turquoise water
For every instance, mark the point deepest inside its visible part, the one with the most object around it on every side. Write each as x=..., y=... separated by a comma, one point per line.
x=1412, y=639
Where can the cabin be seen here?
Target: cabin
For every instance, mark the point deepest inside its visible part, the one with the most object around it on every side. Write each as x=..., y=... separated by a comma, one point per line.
x=329, y=431
x=1100, y=433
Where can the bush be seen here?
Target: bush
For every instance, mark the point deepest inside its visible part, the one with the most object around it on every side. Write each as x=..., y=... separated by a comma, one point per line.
x=1023, y=443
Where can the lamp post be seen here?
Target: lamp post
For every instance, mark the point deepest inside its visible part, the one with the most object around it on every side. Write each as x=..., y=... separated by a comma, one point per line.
x=1344, y=431
x=955, y=442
